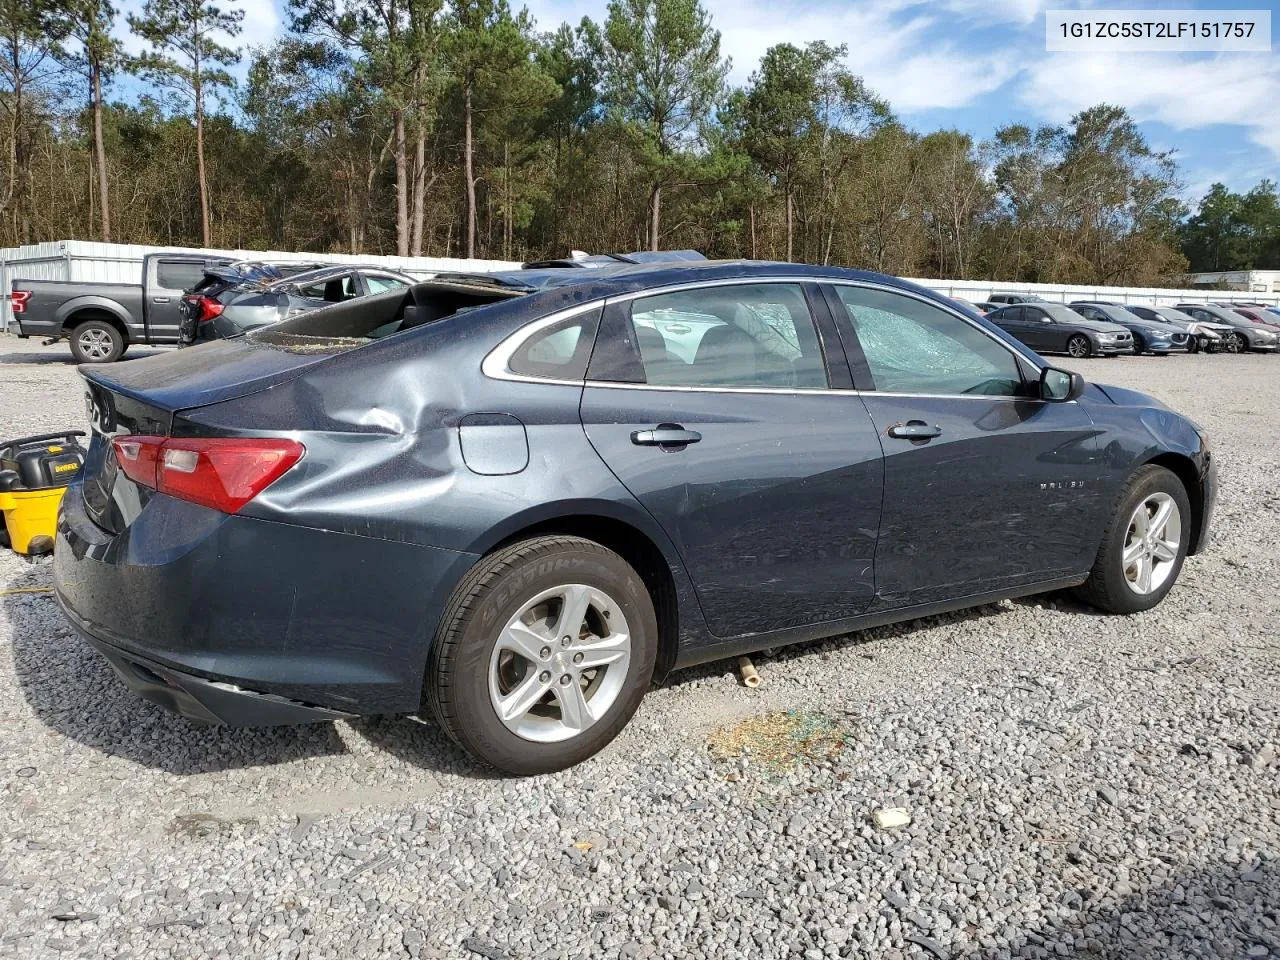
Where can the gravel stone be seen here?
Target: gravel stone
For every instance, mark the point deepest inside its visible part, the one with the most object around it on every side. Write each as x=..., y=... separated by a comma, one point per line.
x=998, y=728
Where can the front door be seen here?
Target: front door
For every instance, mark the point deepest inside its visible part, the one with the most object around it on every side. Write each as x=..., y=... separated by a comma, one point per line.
x=986, y=486
x=713, y=407
x=1013, y=321
x=1042, y=332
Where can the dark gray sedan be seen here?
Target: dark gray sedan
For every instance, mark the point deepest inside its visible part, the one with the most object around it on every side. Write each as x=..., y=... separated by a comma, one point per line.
x=1055, y=328
x=511, y=504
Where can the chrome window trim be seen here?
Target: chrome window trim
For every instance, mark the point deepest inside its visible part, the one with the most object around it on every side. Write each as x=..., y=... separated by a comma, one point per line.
x=496, y=364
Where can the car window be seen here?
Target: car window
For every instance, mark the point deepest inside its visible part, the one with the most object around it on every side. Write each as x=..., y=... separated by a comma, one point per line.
x=1034, y=315
x=179, y=274
x=383, y=284
x=1013, y=314
x=334, y=290
x=749, y=335
x=559, y=352
x=914, y=347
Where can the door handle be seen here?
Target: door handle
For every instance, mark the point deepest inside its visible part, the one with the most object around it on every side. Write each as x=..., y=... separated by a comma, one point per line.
x=159, y=299
x=914, y=430
x=665, y=435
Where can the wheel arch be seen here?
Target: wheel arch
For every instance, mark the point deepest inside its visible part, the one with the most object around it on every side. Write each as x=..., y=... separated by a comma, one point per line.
x=75, y=314
x=674, y=602
x=1185, y=469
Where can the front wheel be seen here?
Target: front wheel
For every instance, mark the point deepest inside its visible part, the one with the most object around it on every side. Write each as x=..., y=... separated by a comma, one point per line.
x=1143, y=547
x=1079, y=346
x=96, y=341
x=543, y=654
x=1238, y=343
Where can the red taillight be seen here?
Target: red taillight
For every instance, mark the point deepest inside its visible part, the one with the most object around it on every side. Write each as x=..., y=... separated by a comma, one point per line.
x=19, y=300
x=224, y=473
x=206, y=308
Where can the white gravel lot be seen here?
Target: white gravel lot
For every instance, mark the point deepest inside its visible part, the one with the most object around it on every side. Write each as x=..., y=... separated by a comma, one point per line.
x=1079, y=785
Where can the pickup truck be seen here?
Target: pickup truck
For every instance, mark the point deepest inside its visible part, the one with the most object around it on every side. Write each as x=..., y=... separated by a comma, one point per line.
x=102, y=320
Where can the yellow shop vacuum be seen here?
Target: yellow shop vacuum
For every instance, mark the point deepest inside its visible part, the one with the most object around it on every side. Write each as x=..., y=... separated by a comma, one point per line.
x=34, y=473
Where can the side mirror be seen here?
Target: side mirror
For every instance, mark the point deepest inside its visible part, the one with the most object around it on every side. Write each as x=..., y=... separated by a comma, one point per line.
x=1059, y=386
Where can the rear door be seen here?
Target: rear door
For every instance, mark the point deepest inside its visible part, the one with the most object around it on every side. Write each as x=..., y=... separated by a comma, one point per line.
x=986, y=486
x=170, y=277
x=717, y=406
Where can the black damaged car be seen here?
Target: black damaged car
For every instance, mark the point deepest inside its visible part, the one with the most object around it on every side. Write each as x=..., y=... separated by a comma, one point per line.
x=512, y=505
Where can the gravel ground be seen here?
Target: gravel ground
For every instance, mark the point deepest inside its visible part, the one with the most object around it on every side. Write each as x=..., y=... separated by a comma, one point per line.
x=1078, y=785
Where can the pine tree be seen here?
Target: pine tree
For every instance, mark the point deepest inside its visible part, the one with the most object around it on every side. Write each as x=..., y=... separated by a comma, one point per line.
x=186, y=59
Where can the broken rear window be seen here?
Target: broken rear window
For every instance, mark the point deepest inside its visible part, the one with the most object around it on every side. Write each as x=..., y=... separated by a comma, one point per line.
x=371, y=318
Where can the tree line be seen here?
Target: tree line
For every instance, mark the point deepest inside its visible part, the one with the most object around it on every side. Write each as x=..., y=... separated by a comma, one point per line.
x=459, y=128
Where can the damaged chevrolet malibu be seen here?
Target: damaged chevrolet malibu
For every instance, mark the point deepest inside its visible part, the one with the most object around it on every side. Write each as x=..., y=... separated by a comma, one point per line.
x=510, y=503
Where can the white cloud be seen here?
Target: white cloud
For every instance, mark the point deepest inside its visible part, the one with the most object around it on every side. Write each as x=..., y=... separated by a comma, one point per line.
x=892, y=44
x=1185, y=92
x=995, y=12
x=260, y=25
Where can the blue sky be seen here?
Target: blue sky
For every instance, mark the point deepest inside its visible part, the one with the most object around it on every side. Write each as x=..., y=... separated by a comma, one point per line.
x=980, y=64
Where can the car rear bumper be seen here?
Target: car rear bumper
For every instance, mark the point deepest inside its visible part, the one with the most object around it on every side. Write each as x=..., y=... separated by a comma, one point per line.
x=198, y=699
x=38, y=328
x=277, y=618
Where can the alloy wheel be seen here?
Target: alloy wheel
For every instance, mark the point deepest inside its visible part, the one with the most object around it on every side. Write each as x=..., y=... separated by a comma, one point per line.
x=560, y=663
x=1151, y=543
x=95, y=344
x=1078, y=347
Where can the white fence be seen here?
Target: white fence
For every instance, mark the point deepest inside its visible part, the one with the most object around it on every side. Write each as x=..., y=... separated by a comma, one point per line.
x=87, y=262
x=122, y=263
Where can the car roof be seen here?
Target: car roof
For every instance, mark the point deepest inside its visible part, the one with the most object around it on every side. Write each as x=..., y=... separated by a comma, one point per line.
x=261, y=271
x=608, y=281
x=341, y=269
x=597, y=260
x=1112, y=310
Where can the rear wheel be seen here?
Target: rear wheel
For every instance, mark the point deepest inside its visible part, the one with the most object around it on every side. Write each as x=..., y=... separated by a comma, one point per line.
x=96, y=341
x=1079, y=346
x=544, y=653
x=1144, y=545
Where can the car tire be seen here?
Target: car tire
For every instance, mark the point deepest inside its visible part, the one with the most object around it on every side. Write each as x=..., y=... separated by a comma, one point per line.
x=477, y=684
x=96, y=341
x=1116, y=583
x=1240, y=343
x=1079, y=346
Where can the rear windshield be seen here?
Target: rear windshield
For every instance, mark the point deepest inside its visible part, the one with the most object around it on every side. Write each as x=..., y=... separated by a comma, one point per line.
x=350, y=324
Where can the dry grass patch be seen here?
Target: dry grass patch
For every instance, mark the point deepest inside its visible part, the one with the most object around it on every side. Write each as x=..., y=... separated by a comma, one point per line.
x=779, y=740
